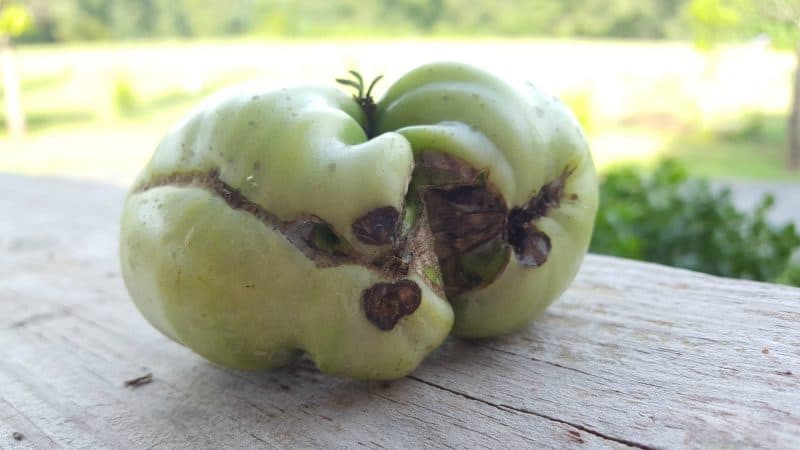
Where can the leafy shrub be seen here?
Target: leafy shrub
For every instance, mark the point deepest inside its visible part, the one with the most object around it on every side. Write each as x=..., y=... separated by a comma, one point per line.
x=669, y=218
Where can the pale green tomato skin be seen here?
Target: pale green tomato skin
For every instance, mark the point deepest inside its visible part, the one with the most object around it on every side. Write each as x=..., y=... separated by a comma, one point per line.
x=524, y=139
x=234, y=289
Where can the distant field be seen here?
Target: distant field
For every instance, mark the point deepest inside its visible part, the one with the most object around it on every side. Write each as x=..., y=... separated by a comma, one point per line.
x=98, y=111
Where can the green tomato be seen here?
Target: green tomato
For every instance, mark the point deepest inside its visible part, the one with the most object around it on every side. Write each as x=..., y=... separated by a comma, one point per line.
x=275, y=223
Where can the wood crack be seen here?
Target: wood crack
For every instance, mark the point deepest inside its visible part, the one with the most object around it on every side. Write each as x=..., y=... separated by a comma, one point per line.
x=257, y=438
x=30, y=422
x=40, y=317
x=503, y=406
x=550, y=363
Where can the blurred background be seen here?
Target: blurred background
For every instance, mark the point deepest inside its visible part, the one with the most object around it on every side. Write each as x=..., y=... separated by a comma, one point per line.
x=691, y=106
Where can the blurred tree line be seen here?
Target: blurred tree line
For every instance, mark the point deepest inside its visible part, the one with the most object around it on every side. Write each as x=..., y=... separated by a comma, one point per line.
x=705, y=21
x=73, y=20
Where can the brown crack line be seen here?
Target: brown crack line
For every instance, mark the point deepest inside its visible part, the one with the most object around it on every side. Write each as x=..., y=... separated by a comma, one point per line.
x=311, y=235
x=548, y=197
x=532, y=246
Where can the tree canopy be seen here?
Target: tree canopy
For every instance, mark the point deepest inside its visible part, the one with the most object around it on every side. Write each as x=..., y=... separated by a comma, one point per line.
x=713, y=21
x=77, y=20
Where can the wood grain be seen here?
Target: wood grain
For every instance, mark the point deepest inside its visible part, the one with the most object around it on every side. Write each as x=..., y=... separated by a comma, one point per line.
x=633, y=355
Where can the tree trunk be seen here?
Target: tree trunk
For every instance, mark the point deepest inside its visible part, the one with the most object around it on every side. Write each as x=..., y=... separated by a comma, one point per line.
x=793, y=162
x=15, y=116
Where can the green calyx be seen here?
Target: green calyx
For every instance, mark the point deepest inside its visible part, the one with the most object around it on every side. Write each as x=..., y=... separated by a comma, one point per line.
x=363, y=98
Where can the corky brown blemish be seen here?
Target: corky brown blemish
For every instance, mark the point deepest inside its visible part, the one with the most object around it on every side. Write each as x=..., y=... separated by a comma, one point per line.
x=464, y=213
x=377, y=227
x=472, y=227
x=464, y=225
x=463, y=218
x=386, y=303
x=531, y=245
x=444, y=166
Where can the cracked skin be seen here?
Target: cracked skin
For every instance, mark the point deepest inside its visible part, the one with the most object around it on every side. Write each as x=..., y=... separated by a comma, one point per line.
x=268, y=224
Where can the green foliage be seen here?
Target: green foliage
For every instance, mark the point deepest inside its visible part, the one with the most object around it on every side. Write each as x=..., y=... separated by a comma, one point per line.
x=708, y=21
x=714, y=21
x=14, y=19
x=68, y=20
x=751, y=146
x=124, y=97
x=791, y=275
x=669, y=218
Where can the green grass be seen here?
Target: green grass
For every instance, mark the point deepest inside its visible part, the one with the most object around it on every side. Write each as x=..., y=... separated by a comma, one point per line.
x=753, y=149
x=32, y=84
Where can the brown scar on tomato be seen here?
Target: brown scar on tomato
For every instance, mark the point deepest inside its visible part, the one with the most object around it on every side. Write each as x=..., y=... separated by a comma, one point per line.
x=315, y=238
x=531, y=245
x=532, y=248
x=448, y=166
x=463, y=219
x=377, y=227
x=421, y=251
x=386, y=303
x=465, y=230
x=318, y=241
x=467, y=217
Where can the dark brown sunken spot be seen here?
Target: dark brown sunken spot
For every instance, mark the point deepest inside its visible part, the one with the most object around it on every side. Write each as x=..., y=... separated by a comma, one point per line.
x=377, y=227
x=532, y=247
x=385, y=303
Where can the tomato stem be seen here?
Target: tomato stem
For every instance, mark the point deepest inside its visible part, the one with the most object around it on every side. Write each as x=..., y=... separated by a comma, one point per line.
x=364, y=99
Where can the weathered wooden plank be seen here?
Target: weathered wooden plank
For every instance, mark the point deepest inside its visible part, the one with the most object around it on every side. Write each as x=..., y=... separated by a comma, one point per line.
x=633, y=355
